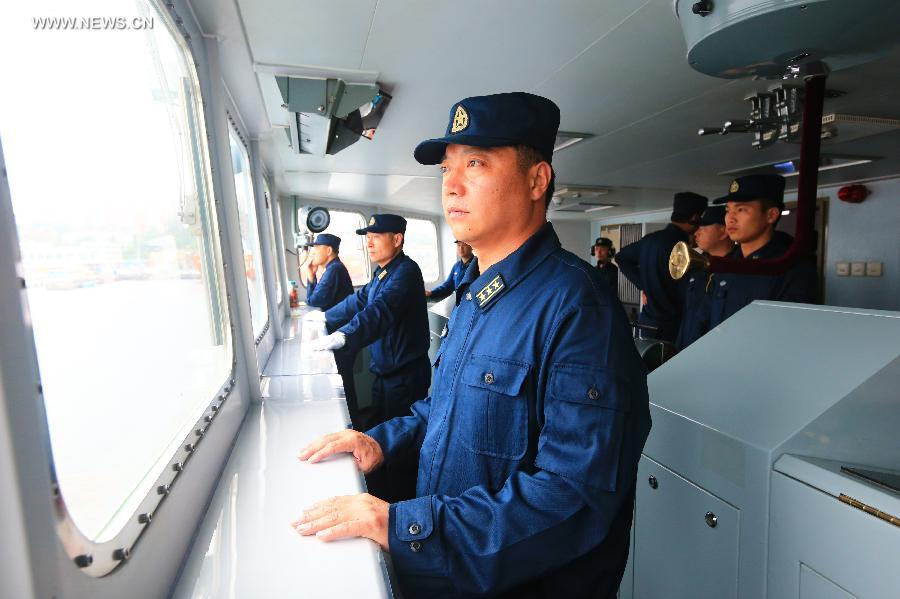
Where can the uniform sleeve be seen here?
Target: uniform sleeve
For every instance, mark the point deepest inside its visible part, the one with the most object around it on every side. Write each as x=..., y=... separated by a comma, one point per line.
x=376, y=318
x=799, y=284
x=346, y=309
x=595, y=421
x=447, y=287
x=321, y=294
x=405, y=433
x=628, y=260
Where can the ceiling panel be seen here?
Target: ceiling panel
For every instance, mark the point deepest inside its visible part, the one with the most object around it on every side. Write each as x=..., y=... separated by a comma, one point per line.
x=616, y=68
x=303, y=32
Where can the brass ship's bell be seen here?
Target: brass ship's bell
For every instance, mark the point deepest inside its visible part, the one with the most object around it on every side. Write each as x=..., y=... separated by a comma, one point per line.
x=683, y=259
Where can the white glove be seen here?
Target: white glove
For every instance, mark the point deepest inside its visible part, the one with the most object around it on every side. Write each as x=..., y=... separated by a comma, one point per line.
x=314, y=316
x=329, y=342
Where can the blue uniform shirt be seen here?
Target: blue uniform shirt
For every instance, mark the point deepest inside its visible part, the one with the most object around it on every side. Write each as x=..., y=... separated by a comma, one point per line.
x=334, y=286
x=449, y=286
x=646, y=264
x=389, y=313
x=529, y=444
x=610, y=275
x=731, y=291
x=698, y=288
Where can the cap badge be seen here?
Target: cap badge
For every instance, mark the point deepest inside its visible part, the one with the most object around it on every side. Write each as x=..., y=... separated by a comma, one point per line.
x=734, y=187
x=371, y=221
x=460, y=120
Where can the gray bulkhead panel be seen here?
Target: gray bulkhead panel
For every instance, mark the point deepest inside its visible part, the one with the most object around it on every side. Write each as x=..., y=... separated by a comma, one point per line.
x=773, y=378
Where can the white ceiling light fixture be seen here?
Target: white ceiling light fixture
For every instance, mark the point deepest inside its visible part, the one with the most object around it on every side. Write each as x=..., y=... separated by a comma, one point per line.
x=791, y=167
x=567, y=139
x=580, y=198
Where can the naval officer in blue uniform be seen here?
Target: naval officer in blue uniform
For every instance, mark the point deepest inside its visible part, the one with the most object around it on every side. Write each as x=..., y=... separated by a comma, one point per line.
x=389, y=315
x=464, y=252
x=753, y=207
x=335, y=283
x=323, y=293
x=529, y=442
x=646, y=264
x=604, y=251
x=712, y=239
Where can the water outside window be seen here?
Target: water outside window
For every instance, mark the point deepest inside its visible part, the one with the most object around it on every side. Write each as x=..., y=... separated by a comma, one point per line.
x=103, y=136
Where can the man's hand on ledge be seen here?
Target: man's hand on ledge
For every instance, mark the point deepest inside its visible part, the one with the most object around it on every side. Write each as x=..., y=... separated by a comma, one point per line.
x=364, y=448
x=331, y=342
x=347, y=516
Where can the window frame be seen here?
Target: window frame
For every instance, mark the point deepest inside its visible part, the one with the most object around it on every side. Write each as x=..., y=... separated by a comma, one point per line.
x=437, y=237
x=277, y=254
x=97, y=559
x=252, y=228
x=335, y=208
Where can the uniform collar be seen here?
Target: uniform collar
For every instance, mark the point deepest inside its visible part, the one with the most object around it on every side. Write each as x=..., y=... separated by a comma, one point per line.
x=335, y=261
x=775, y=247
x=682, y=234
x=487, y=287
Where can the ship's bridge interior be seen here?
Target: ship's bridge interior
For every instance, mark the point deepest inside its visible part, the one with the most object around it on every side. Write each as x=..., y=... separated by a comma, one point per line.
x=166, y=167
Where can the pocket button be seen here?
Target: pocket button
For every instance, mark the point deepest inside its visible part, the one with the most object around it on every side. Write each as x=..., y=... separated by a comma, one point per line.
x=489, y=378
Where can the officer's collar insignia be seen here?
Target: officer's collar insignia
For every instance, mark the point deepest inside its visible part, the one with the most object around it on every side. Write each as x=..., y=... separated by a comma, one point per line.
x=372, y=221
x=734, y=187
x=460, y=119
x=490, y=291
x=382, y=274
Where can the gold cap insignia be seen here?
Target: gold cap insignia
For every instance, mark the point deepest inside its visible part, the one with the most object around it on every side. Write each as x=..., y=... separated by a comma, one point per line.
x=734, y=187
x=460, y=119
x=371, y=221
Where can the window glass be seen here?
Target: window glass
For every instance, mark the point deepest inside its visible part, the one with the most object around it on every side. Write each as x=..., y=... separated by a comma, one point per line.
x=353, y=247
x=273, y=227
x=421, y=245
x=110, y=187
x=243, y=187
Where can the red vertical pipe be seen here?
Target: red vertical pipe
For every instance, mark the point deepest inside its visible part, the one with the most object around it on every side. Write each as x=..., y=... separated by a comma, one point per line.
x=810, y=143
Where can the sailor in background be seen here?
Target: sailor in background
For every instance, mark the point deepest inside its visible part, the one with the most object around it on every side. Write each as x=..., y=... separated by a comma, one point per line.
x=753, y=207
x=604, y=251
x=464, y=251
x=323, y=292
x=712, y=239
x=646, y=264
x=529, y=443
x=389, y=314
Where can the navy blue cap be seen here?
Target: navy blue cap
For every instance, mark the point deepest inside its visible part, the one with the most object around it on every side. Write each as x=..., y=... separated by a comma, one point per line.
x=384, y=223
x=510, y=119
x=714, y=215
x=328, y=239
x=755, y=187
x=604, y=241
x=688, y=203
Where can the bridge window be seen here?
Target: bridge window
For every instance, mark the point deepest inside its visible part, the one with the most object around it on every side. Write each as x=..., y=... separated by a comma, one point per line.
x=110, y=185
x=243, y=187
x=353, y=247
x=421, y=245
x=273, y=231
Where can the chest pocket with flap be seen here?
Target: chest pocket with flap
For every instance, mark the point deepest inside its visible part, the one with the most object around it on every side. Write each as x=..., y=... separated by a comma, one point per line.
x=493, y=408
